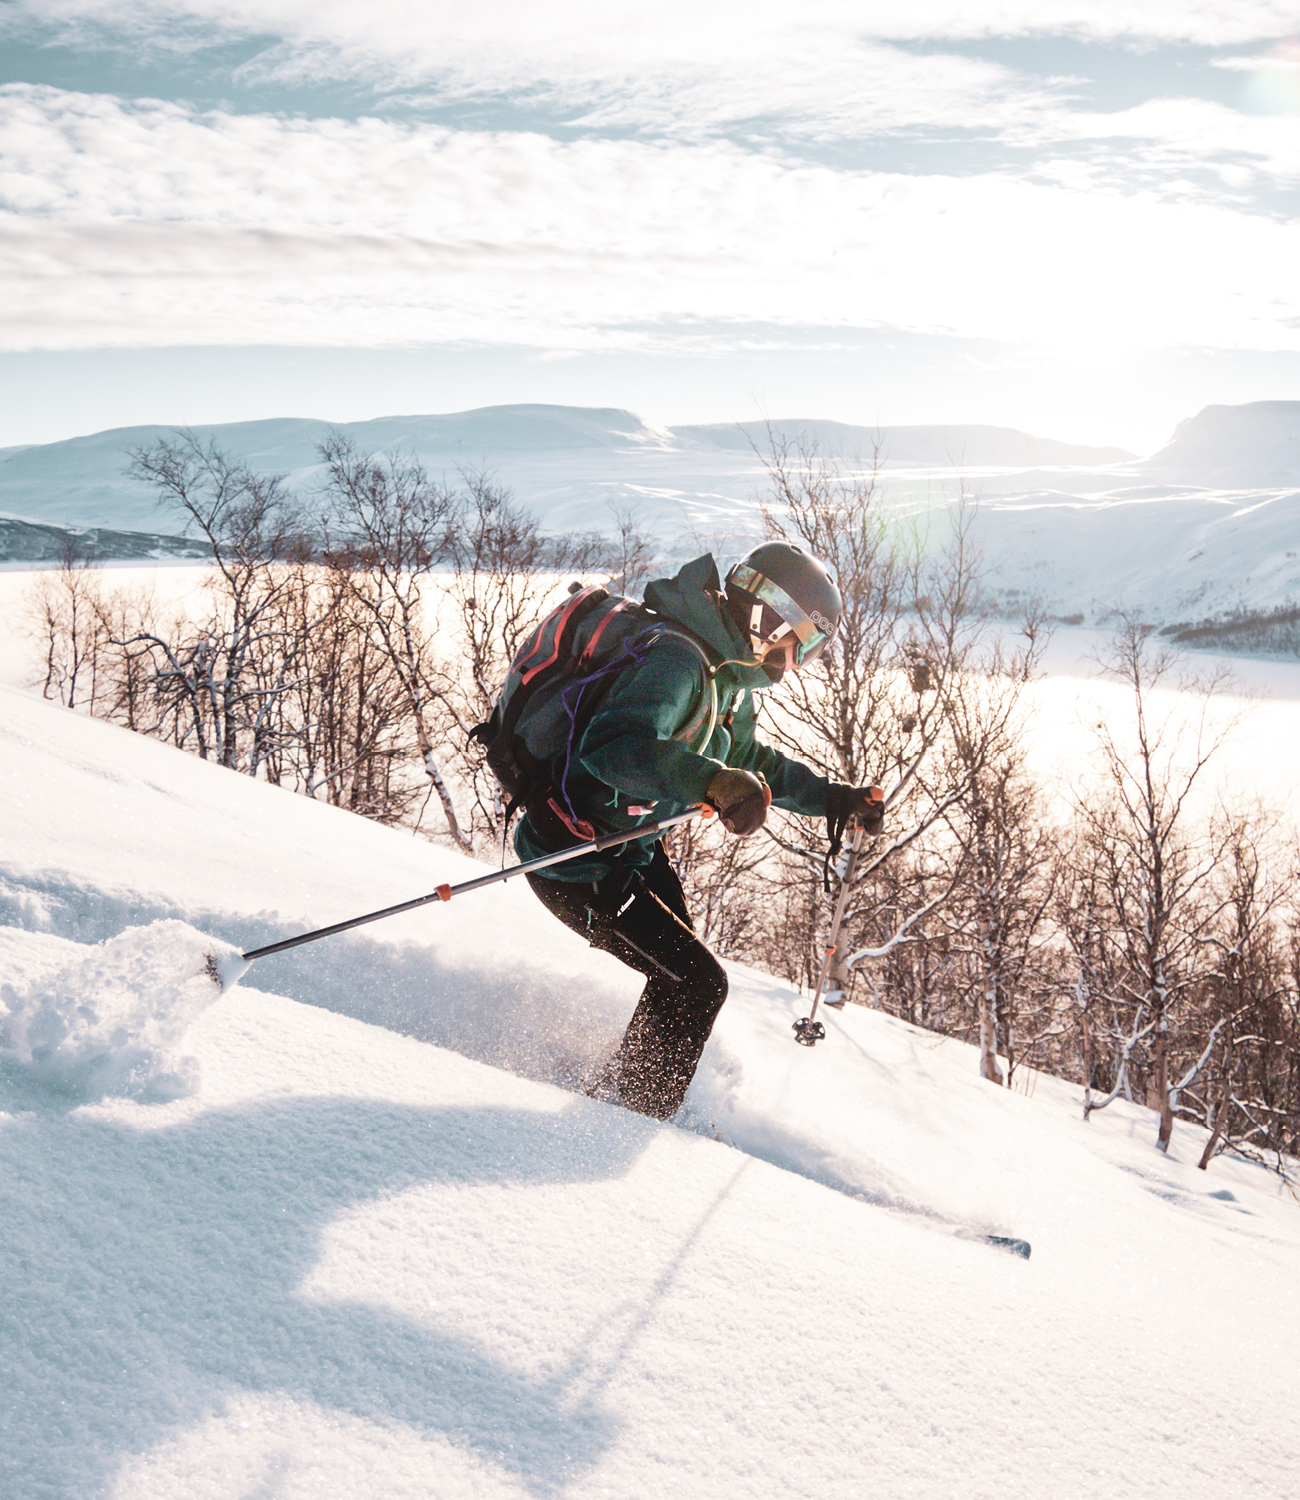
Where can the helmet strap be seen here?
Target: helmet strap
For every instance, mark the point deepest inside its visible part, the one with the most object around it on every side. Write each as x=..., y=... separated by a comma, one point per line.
x=756, y=628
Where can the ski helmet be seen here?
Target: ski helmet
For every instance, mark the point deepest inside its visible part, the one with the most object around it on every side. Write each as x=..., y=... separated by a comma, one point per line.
x=779, y=588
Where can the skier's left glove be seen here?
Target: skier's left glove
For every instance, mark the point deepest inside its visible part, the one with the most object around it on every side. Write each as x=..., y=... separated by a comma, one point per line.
x=855, y=804
x=742, y=800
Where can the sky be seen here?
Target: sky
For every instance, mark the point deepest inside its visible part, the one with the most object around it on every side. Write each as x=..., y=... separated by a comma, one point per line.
x=1076, y=217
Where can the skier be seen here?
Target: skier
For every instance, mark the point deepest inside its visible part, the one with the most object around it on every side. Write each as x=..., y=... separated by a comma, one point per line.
x=674, y=729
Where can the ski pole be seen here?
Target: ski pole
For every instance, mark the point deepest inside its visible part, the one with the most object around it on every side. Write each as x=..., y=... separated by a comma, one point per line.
x=446, y=892
x=810, y=1030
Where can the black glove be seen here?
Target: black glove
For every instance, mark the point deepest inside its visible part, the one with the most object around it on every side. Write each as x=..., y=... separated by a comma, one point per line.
x=846, y=804
x=742, y=800
x=855, y=804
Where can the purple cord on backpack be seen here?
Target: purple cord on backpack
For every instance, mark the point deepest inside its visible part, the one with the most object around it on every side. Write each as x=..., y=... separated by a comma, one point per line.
x=631, y=656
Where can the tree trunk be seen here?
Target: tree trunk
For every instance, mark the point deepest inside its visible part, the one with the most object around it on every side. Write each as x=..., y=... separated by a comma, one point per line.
x=988, y=1010
x=444, y=796
x=1161, y=1086
x=1220, y=1125
x=433, y=772
x=1222, y=1109
x=989, y=1037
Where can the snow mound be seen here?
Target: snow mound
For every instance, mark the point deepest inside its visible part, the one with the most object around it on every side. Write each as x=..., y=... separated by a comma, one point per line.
x=109, y=1019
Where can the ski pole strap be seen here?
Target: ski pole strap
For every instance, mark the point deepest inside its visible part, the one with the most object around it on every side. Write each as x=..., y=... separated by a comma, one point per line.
x=446, y=892
x=835, y=827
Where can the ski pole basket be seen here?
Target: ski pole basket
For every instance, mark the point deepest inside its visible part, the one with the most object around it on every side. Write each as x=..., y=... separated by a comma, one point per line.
x=809, y=1032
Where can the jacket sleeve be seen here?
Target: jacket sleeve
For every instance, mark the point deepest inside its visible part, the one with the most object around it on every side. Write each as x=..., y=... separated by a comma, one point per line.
x=629, y=742
x=795, y=787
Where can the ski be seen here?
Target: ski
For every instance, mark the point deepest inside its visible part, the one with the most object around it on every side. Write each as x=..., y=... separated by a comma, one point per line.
x=698, y=1125
x=1012, y=1246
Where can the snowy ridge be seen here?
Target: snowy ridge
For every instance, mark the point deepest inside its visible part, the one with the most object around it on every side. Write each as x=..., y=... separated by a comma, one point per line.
x=371, y=1246
x=566, y=462
x=1255, y=446
x=1204, y=528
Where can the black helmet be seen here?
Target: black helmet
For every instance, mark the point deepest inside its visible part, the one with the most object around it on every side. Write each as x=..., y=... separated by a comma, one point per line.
x=778, y=588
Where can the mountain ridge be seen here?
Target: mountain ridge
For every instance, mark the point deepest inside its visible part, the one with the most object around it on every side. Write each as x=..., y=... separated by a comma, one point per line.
x=1254, y=445
x=1203, y=529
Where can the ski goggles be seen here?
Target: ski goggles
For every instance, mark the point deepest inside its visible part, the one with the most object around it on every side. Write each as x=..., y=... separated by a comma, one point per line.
x=812, y=636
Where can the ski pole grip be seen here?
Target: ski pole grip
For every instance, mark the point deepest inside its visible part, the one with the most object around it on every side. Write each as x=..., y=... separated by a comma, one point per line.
x=444, y=892
x=872, y=812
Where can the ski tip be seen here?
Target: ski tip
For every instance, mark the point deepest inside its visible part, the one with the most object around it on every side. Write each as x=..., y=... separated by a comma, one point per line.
x=225, y=970
x=1007, y=1242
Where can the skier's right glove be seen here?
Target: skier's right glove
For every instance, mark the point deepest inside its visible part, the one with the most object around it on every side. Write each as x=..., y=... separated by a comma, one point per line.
x=850, y=804
x=856, y=804
x=742, y=800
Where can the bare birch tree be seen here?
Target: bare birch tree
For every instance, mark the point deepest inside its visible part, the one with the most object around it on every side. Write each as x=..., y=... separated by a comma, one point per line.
x=1158, y=868
x=501, y=573
x=213, y=678
x=1246, y=1015
x=394, y=526
x=64, y=614
x=1006, y=854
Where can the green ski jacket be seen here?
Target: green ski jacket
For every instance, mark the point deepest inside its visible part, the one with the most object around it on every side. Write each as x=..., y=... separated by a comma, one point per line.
x=652, y=747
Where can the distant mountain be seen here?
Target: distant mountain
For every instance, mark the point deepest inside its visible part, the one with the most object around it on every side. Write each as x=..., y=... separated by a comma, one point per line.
x=1207, y=527
x=1251, y=446
x=568, y=463
x=1205, y=530
x=1176, y=558
x=82, y=482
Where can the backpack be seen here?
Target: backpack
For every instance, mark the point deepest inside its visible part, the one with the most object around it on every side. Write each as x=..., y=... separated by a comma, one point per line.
x=556, y=682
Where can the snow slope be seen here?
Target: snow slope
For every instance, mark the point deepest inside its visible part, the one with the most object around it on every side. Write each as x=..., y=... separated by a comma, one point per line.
x=1172, y=555
x=343, y=1231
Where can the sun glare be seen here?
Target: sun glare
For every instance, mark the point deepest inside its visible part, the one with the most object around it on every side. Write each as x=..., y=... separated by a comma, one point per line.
x=1274, y=87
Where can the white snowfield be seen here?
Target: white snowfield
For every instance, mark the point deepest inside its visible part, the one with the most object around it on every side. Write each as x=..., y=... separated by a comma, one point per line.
x=343, y=1230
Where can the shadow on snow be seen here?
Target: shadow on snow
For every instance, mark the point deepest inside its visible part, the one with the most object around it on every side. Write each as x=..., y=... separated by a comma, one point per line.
x=153, y=1272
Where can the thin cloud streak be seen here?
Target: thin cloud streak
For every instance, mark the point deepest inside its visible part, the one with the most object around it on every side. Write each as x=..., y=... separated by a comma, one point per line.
x=592, y=35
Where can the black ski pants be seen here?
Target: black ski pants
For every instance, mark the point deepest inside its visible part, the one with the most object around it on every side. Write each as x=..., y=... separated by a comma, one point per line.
x=640, y=917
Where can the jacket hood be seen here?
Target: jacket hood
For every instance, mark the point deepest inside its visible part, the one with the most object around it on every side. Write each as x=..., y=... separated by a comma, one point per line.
x=691, y=598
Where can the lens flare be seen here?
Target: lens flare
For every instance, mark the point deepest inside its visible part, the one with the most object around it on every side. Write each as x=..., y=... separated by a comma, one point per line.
x=1274, y=87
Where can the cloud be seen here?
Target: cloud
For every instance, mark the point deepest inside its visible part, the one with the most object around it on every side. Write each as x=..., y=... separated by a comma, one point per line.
x=766, y=76
x=154, y=224
x=1179, y=136
x=822, y=65
x=591, y=33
